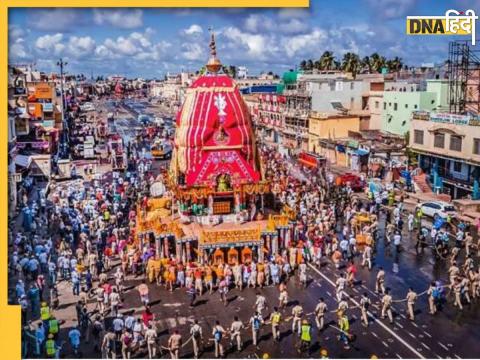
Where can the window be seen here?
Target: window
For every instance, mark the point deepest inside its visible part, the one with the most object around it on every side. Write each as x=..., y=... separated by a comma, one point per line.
x=418, y=137
x=395, y=106
x=476, y=146
x=377, y=104
x=455, y=143
x=457, y=166
x=439, y=140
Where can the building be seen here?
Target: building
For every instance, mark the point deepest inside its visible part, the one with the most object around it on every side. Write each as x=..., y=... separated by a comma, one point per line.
x=399, y=102
x=330, y=126
x=298, y=104
x=448, y=150
x=270, y=117
x=242, y=72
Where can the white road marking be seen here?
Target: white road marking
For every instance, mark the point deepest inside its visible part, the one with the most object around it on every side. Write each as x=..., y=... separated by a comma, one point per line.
x=426, y=333
x=425, y=346
x=406, y=344
x=172, y=304
x=443, y=346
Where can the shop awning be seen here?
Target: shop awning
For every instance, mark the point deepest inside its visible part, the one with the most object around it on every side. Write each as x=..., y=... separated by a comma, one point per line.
x=361, y=152
x=309, y=163
x=23, y=161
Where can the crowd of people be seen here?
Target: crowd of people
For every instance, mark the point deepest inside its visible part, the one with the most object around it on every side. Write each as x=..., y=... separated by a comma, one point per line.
x=83, y=236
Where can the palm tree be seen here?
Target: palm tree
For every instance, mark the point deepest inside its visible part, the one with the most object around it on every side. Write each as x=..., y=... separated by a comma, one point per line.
x=351, y=63
x=396, y=64
x=310, y=64
x=366, y=64
x=377, y=62
x=327, y=61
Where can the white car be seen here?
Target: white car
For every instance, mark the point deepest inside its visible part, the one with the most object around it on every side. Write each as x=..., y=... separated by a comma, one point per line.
x=437, y=209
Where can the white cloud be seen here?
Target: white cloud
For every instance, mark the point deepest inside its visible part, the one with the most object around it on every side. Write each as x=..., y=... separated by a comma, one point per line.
x=391, y=9
x=256, y=23
x=80, y=46
x=305, y=42
x=289, y=13
x=50, y=43
x=56, y=19
x=15, y=32
x=194, y=29
x=193, y=52
x=120, y=18
x=102, y=51
x=294, y=26
x=255, y=45
x=17, y=50
x=138, y=45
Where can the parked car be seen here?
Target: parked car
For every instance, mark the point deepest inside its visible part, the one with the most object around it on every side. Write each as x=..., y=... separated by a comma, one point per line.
x=436, y=209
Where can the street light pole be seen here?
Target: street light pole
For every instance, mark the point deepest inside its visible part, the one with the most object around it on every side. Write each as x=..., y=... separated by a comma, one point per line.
x=61, y=64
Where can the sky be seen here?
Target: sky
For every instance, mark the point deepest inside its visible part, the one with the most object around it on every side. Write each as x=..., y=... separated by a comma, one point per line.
x=149, y=43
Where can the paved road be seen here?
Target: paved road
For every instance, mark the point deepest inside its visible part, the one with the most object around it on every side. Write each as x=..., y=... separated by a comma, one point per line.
x=449, y=334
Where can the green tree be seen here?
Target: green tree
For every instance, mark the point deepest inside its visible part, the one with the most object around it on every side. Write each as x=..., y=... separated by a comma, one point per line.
x=377, y=62
x=395, y=64
x=351, y=63
x=327, y=61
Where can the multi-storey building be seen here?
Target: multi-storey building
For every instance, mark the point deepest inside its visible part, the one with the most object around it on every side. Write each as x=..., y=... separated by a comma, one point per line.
x=448, y=149
x=400, y=102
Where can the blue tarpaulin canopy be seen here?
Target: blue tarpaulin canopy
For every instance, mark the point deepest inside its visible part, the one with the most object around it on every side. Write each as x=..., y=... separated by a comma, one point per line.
x=361, y=152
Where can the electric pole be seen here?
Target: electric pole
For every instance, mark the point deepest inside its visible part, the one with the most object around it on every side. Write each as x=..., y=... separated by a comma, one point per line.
x=61, y=64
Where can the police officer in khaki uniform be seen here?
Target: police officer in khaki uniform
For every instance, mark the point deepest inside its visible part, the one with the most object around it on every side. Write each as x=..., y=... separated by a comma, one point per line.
x=387, y=305
x=297, y=313
x=364, y=305
x=380, y=281
x=320, y=311
x=453, y=272
x=411, y=298
x=457, y=290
